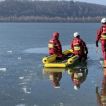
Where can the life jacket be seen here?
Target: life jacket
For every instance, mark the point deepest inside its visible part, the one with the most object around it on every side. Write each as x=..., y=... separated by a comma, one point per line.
x=76, y=45
x=103, y=34
x=51, y=47
x=103, y=99
x=51, y=44
x=54, y=47
x=103, y=37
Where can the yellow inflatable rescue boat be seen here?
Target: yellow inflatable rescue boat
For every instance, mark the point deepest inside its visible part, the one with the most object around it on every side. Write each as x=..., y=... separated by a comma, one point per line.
x=50, y=61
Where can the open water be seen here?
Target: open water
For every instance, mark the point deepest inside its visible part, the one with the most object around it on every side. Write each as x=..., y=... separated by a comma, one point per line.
x=23, y=81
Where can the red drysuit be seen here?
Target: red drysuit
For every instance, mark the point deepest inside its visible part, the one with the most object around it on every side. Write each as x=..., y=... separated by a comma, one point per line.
x=79, y=47
x=54, y=45
x=101, y=35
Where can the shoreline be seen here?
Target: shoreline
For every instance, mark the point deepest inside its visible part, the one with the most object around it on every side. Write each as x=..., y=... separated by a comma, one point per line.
x=45, y=19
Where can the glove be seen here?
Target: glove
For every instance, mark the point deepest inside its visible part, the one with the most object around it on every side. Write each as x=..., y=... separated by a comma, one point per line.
x=96, y=43
x=86, y=50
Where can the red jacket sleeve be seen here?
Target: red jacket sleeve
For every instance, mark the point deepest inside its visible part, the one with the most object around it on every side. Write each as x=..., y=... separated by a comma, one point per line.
x=59, y=46
x=98, y=35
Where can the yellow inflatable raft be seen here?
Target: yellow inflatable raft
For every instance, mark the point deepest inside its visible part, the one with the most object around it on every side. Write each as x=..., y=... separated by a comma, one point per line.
x=51, y=69
x=50, y=61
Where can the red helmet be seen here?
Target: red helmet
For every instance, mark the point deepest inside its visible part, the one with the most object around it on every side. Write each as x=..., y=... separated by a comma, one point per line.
x=55, y=35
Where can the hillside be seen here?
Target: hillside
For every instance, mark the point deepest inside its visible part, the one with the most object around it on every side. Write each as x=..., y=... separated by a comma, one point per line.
x=50, y=11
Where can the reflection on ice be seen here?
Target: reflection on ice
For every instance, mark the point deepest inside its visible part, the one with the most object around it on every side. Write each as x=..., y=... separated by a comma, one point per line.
x=21, y=77
x=26, y=90
x=20, y=105
x=10, y=51
x=25, y=83
x=54, y=75
x=19, y=58
x=3, y=69
x=78, y=75
x=101, y=92
x=25, y=105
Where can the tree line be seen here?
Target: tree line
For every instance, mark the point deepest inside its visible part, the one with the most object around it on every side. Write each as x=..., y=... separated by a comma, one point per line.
x=50, y=11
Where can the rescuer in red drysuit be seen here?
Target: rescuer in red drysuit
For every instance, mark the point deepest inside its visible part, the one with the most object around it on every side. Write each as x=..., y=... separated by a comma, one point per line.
x=54, y=46
x=79, y=47
x=101, y=35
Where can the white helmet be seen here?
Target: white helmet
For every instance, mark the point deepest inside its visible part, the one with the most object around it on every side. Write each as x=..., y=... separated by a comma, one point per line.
x=75, y=87
x=103, y=20
x=76, y=34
